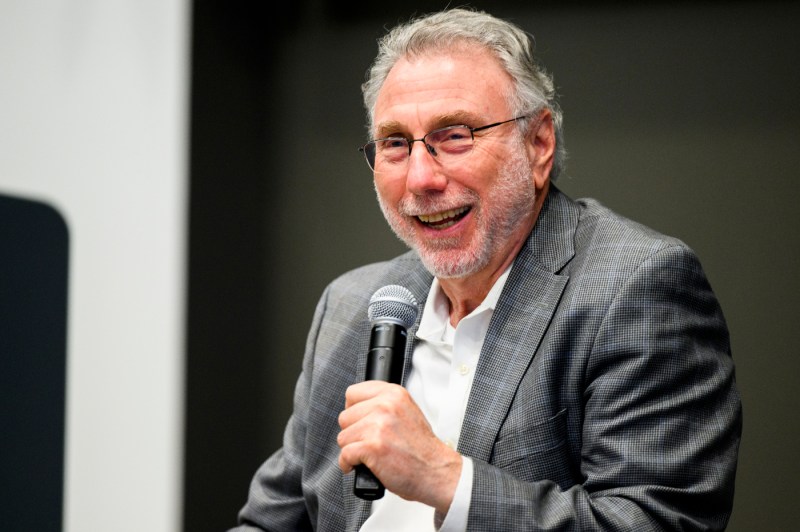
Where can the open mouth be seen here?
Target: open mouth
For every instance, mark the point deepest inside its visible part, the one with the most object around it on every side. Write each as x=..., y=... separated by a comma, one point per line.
x=443, y=220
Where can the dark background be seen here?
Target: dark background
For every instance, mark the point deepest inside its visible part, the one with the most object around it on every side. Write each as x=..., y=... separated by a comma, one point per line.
x=681, y=115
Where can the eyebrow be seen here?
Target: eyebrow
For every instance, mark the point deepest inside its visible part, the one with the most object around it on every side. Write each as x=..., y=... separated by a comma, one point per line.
x=394, y=128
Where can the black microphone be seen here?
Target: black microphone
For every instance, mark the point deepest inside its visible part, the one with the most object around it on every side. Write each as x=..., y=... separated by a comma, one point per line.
x=392, y=310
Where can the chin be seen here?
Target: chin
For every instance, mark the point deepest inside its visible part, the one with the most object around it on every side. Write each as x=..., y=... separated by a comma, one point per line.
x=454, y=265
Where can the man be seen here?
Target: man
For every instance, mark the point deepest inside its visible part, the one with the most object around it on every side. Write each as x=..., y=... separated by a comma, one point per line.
x=569, y=369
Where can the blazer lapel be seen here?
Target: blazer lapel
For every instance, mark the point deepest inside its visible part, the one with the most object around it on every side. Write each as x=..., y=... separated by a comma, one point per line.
x=526, y=306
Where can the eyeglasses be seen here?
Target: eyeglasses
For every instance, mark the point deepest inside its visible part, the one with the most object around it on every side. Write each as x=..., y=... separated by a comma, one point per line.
x=446, y=144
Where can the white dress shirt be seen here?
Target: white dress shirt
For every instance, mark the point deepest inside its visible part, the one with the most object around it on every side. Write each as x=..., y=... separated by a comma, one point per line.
x=440, y=380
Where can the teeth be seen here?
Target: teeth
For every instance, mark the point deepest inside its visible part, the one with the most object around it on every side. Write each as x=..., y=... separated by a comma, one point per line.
x=439, y=216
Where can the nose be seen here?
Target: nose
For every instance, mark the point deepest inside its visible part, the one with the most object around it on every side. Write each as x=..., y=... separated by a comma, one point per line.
x=424, y=173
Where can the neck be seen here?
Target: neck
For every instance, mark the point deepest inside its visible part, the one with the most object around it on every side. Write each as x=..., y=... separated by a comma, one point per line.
x=466, y=293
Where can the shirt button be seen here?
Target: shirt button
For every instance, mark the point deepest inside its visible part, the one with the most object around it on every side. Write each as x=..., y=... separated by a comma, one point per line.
x=463, y=369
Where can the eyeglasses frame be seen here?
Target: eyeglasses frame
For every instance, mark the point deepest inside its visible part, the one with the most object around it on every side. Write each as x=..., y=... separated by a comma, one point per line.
x=430, y=149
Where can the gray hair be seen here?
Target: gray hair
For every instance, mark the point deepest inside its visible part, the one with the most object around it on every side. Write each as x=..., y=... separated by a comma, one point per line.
x=443, y=31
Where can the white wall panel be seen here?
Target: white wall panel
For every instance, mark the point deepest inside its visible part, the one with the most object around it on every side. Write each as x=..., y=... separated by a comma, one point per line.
x=93, y=102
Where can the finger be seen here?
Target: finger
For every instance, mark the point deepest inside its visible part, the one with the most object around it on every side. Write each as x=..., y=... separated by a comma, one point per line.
x=362, y=391
x=355, y=413
x=351, y=455
x=367, y=397
x=344, y=463
x=366, y=421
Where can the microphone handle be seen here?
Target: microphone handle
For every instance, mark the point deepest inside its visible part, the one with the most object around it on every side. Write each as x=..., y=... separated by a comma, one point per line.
x=367, y=486
x=387, y=340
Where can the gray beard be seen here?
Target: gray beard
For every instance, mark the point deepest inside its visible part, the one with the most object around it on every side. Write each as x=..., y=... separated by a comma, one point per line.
x=512, y=196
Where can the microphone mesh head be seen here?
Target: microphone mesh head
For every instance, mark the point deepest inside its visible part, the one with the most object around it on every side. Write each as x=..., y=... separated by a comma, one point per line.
x=395, y=303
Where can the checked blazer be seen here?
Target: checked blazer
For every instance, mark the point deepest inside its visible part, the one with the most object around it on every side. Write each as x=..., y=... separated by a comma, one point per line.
x=604, y=397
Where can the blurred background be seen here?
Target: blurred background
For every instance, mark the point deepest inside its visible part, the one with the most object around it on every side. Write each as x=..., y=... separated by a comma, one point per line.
x=208, y=174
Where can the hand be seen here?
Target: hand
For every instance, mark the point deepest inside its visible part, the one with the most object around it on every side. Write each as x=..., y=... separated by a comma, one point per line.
x=384, y=429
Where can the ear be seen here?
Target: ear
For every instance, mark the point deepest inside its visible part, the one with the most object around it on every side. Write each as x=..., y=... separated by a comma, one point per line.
x=541, y=146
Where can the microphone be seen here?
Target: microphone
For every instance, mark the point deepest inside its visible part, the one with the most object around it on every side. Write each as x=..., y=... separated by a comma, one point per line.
x=391, y=310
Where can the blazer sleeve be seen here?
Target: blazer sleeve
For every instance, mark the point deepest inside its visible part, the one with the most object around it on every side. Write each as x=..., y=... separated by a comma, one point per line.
x=276, y=501
x=660, y=420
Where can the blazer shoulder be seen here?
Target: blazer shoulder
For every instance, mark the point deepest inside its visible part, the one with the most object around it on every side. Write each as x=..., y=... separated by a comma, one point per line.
x=599, y=225
x=610, y=242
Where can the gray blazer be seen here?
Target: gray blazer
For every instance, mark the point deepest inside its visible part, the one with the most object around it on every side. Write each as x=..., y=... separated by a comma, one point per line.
x=604, y=398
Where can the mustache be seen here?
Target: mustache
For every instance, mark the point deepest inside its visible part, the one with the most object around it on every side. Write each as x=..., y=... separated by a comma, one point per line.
x=437, y=202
